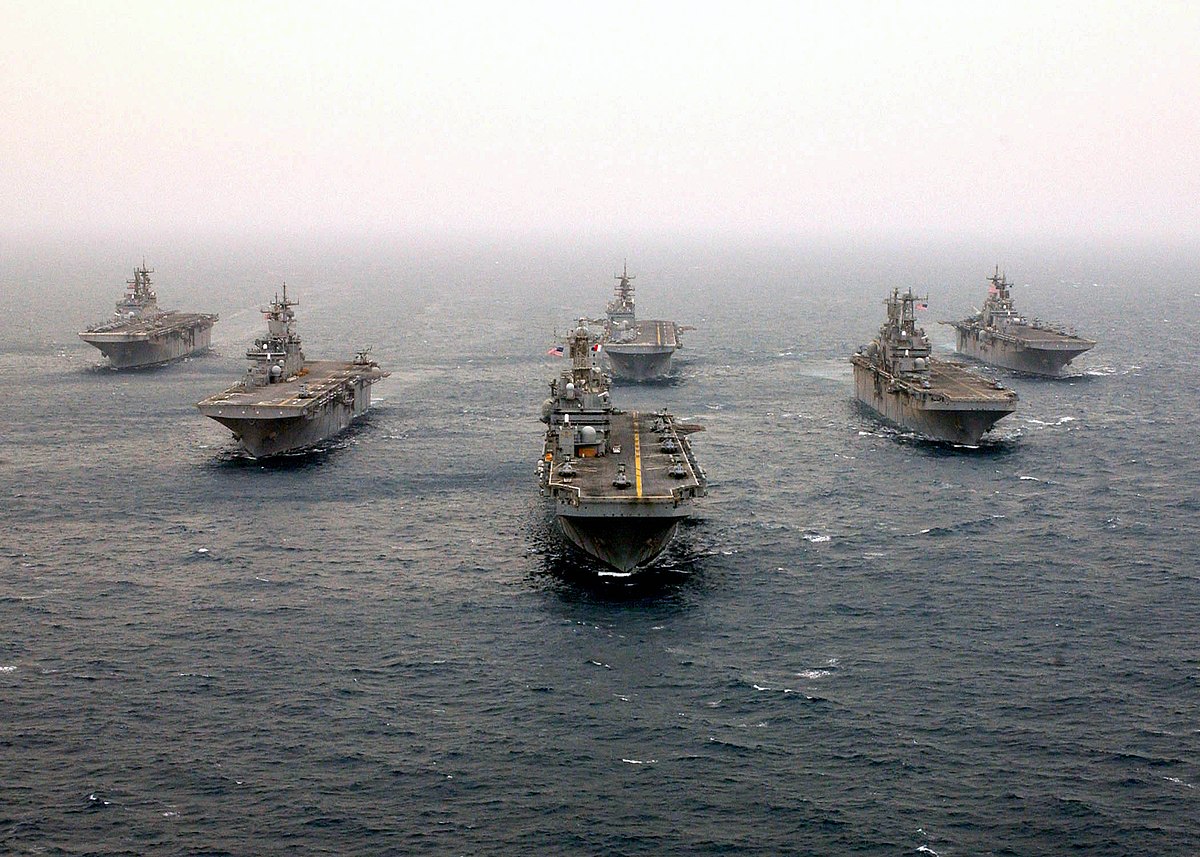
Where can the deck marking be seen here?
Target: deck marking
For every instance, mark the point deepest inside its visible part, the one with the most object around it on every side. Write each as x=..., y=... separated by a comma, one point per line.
x=637, y=455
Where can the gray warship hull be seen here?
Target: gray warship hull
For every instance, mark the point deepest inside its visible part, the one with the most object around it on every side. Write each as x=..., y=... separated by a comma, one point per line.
x=1001, y=336
x=282, y=419
x=638, y=363
x=958, y=408
x=1033, y=352
x=633, y=543
x=647, y=355
x=626, y=528
x=135, y=346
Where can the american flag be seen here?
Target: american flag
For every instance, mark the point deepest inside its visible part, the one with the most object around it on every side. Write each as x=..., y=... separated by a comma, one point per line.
x=556, y=351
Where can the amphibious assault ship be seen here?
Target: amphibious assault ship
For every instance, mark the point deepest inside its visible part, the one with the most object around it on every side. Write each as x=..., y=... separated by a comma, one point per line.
x=1001, y=336
x=141, y=334
x=287, y=403
x=897, y=378
x=621, y=482
x=636, y=350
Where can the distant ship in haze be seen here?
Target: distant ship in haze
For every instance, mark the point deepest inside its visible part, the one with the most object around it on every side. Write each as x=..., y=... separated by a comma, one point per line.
x=636, y=350
x=1001, y=336
x=141, y=334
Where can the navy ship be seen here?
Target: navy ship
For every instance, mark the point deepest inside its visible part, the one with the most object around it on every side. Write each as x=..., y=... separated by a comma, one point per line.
x=287, y=403
x=636, y=350
x=896, y=377
x=140, y=334
x=620, y=481
x=1001, y=336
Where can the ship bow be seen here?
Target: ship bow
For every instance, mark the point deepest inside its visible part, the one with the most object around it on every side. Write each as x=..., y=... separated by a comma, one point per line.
x=624, y=544
x=639, y=365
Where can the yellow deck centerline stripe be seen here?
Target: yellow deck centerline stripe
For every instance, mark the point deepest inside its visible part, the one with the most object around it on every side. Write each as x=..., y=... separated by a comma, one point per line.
x=637, y=455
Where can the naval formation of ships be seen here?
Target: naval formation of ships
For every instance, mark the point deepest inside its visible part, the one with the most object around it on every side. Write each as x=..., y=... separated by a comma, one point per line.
x=897, y=377
x=620, y=481
x=284, y=404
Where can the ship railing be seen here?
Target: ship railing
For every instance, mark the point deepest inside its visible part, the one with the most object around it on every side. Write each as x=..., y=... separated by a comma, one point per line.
x=566, y=488
x=688, y=492
x=686, y=446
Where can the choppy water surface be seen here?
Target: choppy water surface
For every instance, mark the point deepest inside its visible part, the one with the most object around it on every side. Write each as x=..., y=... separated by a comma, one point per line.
x=863, y=644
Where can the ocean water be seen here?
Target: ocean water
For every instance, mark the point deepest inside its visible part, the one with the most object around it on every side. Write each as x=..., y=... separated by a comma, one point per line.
x=862, y=644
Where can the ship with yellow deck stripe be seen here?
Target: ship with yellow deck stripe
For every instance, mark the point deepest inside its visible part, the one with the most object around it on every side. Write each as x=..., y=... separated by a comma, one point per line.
x=620, y=481
x=287, y=403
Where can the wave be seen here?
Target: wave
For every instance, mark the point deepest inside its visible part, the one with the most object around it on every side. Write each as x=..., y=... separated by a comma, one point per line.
x=1061, y=421
x=970, y=525
x=814, y=674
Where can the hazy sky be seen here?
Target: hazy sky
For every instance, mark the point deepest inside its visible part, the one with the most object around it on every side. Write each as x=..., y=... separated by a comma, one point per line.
x=595, y=118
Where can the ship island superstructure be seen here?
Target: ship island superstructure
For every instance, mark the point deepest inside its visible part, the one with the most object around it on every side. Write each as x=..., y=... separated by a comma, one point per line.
x=1001, y=336
x=637, y=350
x=896, y=376
x=287, y=403
x=620, y=481
x=141, y=334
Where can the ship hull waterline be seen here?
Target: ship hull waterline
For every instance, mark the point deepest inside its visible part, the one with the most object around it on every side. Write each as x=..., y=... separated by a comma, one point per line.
x=638, y=363
x=626, y=545
x=963, y=425
x=125, y=351
x=265, y=435
x=1050, y=362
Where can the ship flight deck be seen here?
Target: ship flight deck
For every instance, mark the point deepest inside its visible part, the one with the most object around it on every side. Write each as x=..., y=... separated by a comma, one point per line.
x=320, y=380
x=633, y=443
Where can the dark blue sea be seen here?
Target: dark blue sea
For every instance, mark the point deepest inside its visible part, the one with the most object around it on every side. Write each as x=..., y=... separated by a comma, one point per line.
x=862, y=644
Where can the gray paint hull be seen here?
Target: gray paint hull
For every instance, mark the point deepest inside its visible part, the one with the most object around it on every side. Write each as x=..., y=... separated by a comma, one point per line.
x=137, y=352
x=623, y=543
x=963, y=426
x=1050, y=360
x=638, y=363
x=265, y=437
x=624, y=526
